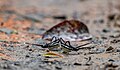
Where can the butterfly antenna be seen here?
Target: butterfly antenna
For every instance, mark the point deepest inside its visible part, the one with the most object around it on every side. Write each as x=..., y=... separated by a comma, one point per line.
x=81, y=46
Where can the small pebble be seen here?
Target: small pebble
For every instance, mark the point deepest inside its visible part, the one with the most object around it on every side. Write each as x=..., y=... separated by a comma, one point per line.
x=63, y=17
x=27, y=56
x=77, y=64
x=110, y=49
x=17, y=63
x=104, y=37
x=105, y=30
x=101, y=21
x=111, y=17
x=58, y=67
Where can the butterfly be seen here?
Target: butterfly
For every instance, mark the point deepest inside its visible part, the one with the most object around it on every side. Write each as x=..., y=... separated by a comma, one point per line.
x=68, y=30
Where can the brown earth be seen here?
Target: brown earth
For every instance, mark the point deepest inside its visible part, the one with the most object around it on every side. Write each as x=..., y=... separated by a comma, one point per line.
x=26, y=20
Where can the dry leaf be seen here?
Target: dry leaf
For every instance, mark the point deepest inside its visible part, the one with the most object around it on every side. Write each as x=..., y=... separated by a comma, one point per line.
x=52, y=54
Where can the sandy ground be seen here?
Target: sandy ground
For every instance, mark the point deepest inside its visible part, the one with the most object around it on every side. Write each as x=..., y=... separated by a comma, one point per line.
x=31, y=18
